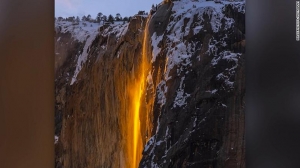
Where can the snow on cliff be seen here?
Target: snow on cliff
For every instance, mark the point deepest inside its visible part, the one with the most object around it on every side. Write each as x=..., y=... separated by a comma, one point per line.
x=191, y=19
x=86, y=32
x=181, y=25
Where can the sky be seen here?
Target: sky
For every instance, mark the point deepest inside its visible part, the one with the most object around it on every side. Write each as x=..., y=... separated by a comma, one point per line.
x=66, y=8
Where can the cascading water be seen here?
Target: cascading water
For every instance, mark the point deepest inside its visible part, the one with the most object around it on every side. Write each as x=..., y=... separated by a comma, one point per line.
x=136, y=94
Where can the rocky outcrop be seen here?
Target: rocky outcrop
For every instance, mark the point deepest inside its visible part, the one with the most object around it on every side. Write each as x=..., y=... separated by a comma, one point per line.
x=192, y=110
x=95, y=104
x=199, y=101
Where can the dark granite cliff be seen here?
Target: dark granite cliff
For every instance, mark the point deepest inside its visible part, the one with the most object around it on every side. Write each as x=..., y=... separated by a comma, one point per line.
x=191, y=111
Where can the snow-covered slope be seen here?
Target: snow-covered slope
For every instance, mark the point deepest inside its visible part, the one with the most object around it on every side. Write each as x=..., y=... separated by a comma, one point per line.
x=86, y=32
x=187, y=20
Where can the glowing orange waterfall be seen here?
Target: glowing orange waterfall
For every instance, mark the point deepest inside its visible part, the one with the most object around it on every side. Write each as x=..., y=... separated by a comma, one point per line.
x=137, y=91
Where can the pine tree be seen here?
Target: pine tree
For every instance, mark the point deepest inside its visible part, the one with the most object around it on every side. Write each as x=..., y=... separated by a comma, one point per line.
x=118, y=17
x=77, y=19
x=141, y=12
x=104, y=18
x=88, y=18
x=125, y=19
x=83, y=18
x=70, y=19
x=60, y=18
x=111, y=19
x=99, y=17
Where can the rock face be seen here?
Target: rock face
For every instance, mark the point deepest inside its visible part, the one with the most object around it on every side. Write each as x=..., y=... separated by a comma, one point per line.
x=199, y=101
x=192, y=109
x=95, y=105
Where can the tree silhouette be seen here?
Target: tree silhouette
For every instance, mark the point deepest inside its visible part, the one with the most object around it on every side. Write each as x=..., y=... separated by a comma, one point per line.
x=104, y=18
x=88, y=18
x=60, y=18
x=77, y=19
x=70, y=19
x=83, y=18
x=126, y=19
x=118, y=17
x=111, y=19
x=99, y=17
x=141, y=13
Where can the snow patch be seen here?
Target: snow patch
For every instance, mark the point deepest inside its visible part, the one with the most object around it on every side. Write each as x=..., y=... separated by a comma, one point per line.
x=80, y=31
x=155, y=41
x=149, y=143
x=228, y=72
x=56, y=139
x=119, y=30
x=87, y=32
x=83, y=57
x=181, y=97
x=161, y=91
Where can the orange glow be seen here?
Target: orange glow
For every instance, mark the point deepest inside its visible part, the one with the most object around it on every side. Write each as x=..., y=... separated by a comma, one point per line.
x=136, y=90
x=136, y=127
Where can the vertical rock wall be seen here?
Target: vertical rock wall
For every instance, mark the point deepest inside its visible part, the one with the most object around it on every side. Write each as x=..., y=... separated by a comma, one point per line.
x=198, y=66
x=95, y=129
